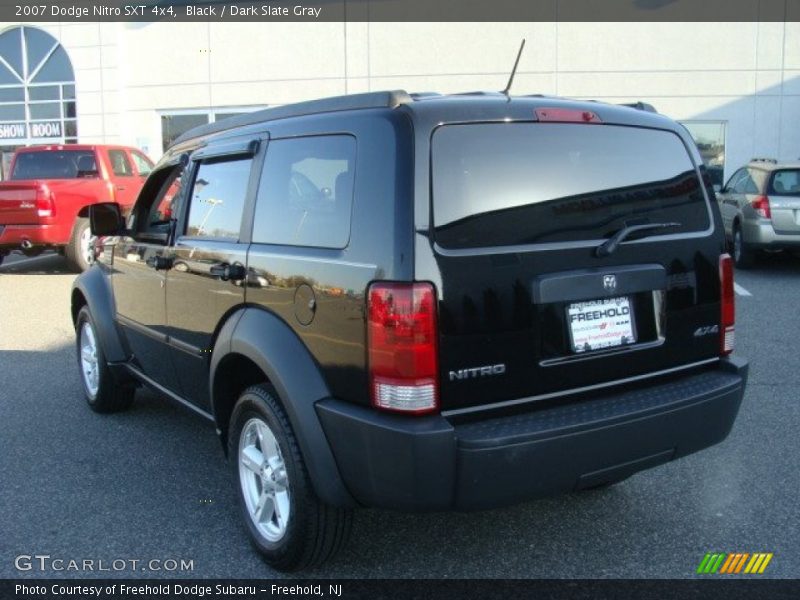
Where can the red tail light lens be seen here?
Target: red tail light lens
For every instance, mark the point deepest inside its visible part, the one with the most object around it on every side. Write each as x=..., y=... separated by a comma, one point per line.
x=45, y=202
x=566, y=115
x=402, y=347
x=761, y=206
x=728, y=312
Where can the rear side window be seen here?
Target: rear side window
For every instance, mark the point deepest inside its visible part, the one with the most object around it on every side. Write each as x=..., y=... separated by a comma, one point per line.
x=64, y=164
x=529, y=183
x=120, y=165
x=306, y=192
x=143, y=164
x=785, y=183
x=217, y=199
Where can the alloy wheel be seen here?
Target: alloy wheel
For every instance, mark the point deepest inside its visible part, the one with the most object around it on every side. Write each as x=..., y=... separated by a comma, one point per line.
x=264, y=480
x=89, y=364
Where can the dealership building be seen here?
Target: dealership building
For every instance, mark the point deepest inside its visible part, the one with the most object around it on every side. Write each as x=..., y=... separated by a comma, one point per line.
x=736, y=86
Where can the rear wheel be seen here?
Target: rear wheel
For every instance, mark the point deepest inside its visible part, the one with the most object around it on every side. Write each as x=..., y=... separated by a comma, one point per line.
x=288, y=524
x=80, y=249
x=743, y=255
x=103, y=393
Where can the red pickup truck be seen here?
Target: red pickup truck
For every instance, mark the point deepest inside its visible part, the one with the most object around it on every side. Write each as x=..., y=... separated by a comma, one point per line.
x=44, y=204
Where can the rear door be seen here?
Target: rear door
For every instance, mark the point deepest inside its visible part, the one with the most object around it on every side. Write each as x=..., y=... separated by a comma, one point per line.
x=528, y=307
x=206, y=281
x=784, y=201
x=728, y=205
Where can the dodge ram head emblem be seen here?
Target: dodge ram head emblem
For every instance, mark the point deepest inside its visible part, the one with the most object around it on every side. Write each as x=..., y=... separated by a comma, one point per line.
x=609, y=282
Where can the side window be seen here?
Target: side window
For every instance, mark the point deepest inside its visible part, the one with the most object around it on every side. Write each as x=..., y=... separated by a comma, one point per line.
x=143, y=164
x=157, y=205
x=731, y=185
x=306, y=192
x=747, y=183
x=120, y=164
x=217, y=198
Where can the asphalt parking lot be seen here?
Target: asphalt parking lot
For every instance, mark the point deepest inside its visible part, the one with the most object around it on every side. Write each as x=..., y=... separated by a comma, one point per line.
x=151, y=483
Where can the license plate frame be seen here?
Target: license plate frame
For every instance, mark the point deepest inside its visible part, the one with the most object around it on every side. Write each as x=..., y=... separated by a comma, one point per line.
x=596, y=332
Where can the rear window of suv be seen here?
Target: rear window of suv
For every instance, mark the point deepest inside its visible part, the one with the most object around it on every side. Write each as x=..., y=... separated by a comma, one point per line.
x=502, y=184
x=785, y=182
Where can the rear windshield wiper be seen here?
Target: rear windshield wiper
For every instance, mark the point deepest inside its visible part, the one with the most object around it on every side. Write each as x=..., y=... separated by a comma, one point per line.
x=610, y=245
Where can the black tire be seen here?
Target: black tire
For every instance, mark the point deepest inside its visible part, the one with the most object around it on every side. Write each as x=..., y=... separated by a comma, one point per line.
x=314, y=531
x=78, y=257
x=2, y=258
x=110, y=396
x=744, y=257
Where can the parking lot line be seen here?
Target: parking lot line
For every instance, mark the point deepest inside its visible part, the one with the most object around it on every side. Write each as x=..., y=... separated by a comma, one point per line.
x=740, y=290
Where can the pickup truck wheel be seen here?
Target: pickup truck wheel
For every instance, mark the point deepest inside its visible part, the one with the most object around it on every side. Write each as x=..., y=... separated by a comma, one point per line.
x=743, y=255
x=80, y=249
x=102, y=391
x=287, y=523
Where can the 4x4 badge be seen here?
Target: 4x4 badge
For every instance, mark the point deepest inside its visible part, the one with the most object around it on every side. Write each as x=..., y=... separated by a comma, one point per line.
x=609, y=282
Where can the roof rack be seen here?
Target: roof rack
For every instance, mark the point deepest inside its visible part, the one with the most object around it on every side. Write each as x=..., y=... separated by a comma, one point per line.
x=641, y=106
x=773, y=161
x=388, y=99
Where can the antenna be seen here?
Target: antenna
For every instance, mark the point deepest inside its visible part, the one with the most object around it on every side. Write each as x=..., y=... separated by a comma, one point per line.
x=514, y=70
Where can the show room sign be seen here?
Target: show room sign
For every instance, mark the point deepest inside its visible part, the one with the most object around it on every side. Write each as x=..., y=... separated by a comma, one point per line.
x=39, y=130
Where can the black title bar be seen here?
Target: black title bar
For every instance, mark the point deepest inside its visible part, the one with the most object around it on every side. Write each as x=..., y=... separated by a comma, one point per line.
x=379, y=589
x=402, y=10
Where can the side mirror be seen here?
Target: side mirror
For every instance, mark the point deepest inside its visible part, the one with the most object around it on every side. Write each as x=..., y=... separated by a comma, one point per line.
x=717, y=188
x=105, y=219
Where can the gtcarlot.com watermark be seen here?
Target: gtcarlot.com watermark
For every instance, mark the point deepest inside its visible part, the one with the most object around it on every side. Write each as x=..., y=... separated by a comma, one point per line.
x=45, y=563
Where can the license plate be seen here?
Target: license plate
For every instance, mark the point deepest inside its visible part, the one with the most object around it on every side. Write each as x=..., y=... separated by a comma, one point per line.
x=601, y=324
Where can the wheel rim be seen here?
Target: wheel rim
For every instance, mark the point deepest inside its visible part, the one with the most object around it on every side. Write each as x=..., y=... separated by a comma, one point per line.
x=264, y=480
x=737, y=245
x=87, y=246
x=89, y=370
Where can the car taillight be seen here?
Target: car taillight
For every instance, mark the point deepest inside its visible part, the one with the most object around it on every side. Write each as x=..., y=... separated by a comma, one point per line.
x=402, y=347
x=45, y=202
x=761, y=206
x=728, y=311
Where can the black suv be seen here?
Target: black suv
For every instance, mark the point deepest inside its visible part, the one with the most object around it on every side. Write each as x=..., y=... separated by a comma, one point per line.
x=420, y=302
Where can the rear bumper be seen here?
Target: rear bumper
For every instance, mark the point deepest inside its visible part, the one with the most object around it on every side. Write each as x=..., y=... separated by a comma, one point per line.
x=12, y=236
x=432, y=464
x=761, y=234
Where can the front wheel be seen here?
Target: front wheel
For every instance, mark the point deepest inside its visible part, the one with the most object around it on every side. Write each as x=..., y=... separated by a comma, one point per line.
x=287, y=523
x=103, y=393
x=80, y=248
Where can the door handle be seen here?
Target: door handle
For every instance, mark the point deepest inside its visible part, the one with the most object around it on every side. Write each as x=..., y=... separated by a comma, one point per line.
x=121, y=188
x=228, y=272
x=159, y=263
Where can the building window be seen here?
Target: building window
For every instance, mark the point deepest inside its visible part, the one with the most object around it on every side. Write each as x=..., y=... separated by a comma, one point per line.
x=37, y=89
x=710, y=139
x=175, y=123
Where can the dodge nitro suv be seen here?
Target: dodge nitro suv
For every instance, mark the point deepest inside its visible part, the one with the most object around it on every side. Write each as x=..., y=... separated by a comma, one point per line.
x=420, y=302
